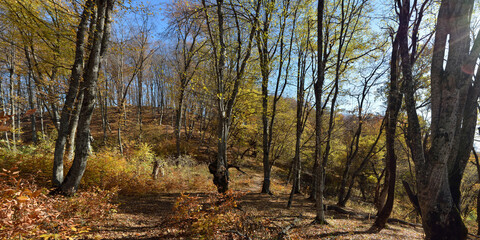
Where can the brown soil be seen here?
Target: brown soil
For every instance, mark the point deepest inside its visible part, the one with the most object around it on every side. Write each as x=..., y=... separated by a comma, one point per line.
x=148, y=217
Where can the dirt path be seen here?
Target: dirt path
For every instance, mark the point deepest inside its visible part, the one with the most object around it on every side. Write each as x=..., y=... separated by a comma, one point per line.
x=147, y=217
x=137, y=218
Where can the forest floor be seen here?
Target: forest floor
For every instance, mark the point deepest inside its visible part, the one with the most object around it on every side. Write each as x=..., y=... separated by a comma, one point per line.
x=154, y=216
x=150, y=217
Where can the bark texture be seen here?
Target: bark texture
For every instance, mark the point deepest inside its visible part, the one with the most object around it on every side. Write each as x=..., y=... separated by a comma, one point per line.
x=101, y=19
x=318, y=88
x=454, y=93
x=73, y=89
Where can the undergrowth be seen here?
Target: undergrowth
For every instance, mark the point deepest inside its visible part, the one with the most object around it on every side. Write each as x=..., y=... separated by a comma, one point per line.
x=217, y=216
x=27, y=212
x=107, y=169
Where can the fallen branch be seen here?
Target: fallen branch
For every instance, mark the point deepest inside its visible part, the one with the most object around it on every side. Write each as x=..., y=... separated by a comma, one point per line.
x=395, y=220
x=284, y=232
x=473, y=236
x=345, y=211
x=236, y=167
x=238, y=233
x=367, y=216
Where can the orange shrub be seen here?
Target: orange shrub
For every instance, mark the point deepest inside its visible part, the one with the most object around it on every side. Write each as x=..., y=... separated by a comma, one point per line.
x=26, y=211
x=216, y=216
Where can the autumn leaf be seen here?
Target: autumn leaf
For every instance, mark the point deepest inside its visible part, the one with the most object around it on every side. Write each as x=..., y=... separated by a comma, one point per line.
x=4, y=128
x=30, y=112
x=23, y=199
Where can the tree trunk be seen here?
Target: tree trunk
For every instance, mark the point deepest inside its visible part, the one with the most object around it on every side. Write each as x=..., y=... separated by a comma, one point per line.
x=393, y=107
x=299, y=120
x=438, y=170
x=178, y=120
x=72, y=93
x=17, y=103
x=266, y=147
x=220, y=178
x=140, y=95
x=4, y=110
x=42, y=126
x=89, y=86
x=11, y=71
x=319, y=166
x=119, y=131
x=72, y=128
x=31, y=103
x=225, y=104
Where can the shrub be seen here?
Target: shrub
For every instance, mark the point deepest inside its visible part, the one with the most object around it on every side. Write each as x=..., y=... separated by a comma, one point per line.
x=107, y=169
x=216, y=216
x=25, y=210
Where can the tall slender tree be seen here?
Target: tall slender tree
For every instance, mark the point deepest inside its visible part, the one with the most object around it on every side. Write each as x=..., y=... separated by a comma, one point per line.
x=319, y=165
x=228, y=86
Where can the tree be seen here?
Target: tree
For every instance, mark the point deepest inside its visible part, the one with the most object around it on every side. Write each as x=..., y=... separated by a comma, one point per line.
x=100, y=25
x=304, y=51
x=391, y=115
x=454, y=93
x=187, y=30
x=268, y=43
x=73, y=95
x=227, y=86
x=354, y=147
x=319, y=165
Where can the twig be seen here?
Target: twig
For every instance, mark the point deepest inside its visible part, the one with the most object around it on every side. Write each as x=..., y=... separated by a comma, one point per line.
x=282, y=234
x=368, y=216
x=238, y=233
x=473, y=236
x=236, y=167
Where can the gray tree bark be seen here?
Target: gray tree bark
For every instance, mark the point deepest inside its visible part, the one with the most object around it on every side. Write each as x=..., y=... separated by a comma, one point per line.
x=73, y=90
x=454, y=93
x=89, y=87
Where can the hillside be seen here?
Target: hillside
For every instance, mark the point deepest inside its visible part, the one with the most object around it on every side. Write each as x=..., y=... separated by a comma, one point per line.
x=175, y=207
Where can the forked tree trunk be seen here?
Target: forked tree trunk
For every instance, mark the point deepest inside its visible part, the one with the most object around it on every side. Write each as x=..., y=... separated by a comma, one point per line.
x=219, y=168
x=74, y=84
x=453, y=92
x=89, y=86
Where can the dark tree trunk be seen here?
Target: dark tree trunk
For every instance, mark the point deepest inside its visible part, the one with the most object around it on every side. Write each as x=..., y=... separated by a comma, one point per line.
x=264, y=55
x=301, y=71
x=319, y=165
x=393, y=107
x=265, y=62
